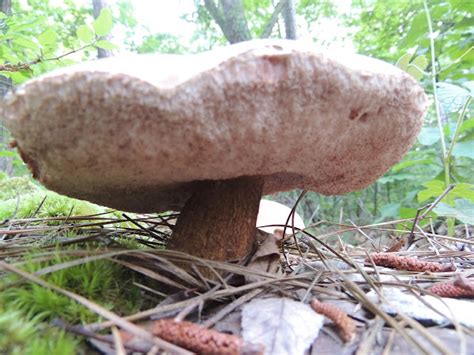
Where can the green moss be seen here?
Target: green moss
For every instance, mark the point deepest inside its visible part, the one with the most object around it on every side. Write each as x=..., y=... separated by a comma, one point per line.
x=101, y=281
x=54, y=205
x=16, y=186
x=21, y=335
x=33, y=307
x=25, y=328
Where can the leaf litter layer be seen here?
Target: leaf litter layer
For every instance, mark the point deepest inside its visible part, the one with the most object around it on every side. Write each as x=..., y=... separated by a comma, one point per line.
x=139, y=282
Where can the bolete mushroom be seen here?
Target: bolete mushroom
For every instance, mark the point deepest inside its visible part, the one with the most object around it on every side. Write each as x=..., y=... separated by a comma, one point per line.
x=208, y=134
x=273, y=216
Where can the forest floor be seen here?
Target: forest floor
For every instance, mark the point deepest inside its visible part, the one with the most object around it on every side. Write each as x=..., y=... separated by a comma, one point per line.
x=105, y=283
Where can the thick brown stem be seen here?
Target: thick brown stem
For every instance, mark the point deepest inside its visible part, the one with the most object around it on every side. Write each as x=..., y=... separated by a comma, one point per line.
x=218, y=221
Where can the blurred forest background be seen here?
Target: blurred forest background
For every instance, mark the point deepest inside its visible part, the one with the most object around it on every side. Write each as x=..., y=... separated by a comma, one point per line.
x=432, y=40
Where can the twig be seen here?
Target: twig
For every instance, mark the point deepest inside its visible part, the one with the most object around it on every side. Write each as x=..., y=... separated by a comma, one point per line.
x=79, y=330
x=429, y=208
x=146, y=230
x=292, y=216
x=27, y=66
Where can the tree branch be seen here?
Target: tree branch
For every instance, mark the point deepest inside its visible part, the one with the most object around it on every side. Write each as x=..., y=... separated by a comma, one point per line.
x=27, y=66
x=273, y=19
x=215, y=13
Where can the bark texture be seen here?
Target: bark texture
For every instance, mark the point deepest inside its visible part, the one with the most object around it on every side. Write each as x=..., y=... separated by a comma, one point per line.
x=230, y=16
x=289, y=16
x=218, y=221
x=6, y=6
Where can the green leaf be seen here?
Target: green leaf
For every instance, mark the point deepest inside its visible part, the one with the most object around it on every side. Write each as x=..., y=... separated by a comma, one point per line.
x=105, y=45
x=26, y=43
x=463, y=211
x=407, y=212
x=406, y=164
x=2, y=15
x=449, y=129
x=438, y=10
x=47, y=37
x=403, y=61
x=465, y=22
x=463, y=190
x=464, y=149
x=7, y=54
x=27, y=23
x=85, y=34
x=435, y=188
x=19, y=77
x=418, y=28
x=466, y=125
x=429, y=135
x=420, y=62
x=417, y=66
x=103, y=24
x=452, y=97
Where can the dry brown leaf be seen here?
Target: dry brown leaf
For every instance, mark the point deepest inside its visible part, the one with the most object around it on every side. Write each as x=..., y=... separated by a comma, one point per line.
x=267, y=256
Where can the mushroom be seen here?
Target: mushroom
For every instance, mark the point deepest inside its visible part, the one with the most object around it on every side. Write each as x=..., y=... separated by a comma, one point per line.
x=208, y=134
x=273, y=216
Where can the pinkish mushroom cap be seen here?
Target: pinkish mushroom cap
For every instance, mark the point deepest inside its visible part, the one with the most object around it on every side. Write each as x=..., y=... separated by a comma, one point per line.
x=140, y=133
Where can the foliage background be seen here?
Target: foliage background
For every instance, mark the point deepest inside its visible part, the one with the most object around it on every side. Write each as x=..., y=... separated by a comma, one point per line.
x=432, y=41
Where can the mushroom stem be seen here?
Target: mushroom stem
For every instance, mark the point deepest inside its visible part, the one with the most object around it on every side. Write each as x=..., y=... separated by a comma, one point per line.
x=218, y=221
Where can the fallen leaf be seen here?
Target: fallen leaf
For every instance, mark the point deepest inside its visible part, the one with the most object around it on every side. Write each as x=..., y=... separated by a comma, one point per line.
x=412, y=306
x=283, y=325
x=266, y=257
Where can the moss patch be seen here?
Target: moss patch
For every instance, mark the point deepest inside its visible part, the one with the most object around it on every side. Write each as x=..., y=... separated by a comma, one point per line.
x=21, y=335
x=101, y=281
x=12, y=187
x=43, y=203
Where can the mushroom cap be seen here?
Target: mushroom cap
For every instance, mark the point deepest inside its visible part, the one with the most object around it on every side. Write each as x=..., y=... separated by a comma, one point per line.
x=137, y=133
x=275, y=213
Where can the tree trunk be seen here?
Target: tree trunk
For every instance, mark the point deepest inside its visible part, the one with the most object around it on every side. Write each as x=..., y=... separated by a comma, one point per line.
x=5, y=86
x=230, y=17
x=289, y=15
x=218, y=221
x=97, y=6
